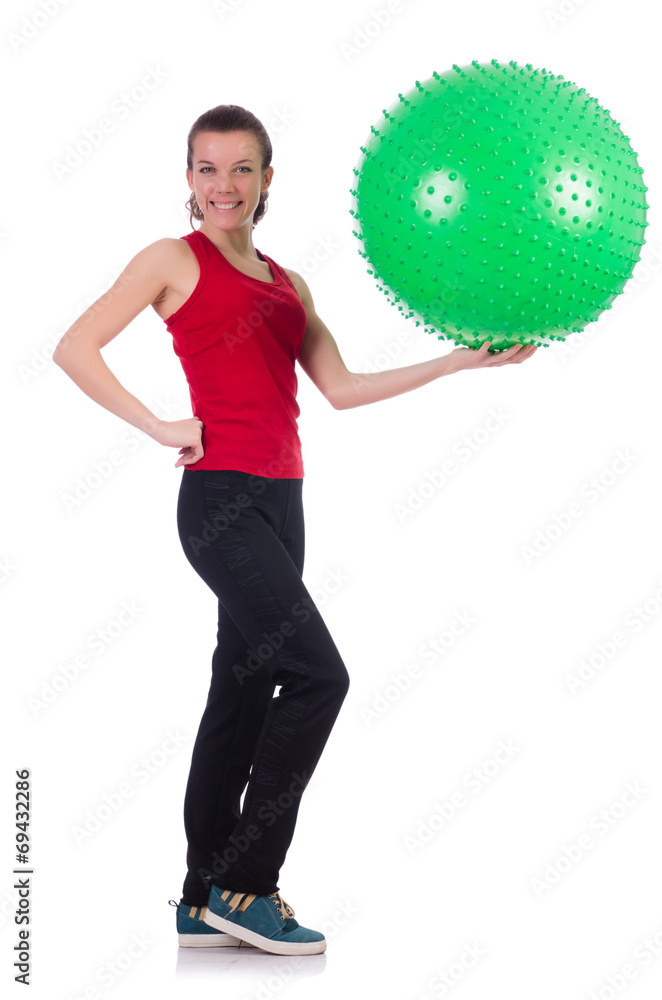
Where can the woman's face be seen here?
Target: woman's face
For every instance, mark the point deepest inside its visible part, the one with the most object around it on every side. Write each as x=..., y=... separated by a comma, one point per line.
x=227, y=172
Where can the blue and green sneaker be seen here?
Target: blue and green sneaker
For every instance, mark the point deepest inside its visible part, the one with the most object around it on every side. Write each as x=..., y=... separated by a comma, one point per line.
x=264, y=921
x=193, y=932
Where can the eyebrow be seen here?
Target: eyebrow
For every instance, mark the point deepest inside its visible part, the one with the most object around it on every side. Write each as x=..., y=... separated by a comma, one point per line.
x=234, y=164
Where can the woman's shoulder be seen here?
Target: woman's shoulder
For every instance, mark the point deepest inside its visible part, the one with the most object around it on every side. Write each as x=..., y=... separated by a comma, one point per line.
x=295, y=278
x=300, y=285
x=170, y=243
x=166, y=245
x=167, y=250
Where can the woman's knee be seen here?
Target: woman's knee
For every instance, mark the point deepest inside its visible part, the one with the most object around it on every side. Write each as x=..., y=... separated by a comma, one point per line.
x=330, y=683
x=341, y=681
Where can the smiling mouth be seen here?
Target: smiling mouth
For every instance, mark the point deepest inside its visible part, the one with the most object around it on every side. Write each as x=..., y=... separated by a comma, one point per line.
x=226, y=206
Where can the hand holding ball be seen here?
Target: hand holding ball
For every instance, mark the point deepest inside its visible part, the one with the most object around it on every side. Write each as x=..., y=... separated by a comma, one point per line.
x=498, y=203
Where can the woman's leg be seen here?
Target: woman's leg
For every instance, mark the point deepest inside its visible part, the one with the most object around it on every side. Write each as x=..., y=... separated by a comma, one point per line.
x=236, y=530
x=222, y=756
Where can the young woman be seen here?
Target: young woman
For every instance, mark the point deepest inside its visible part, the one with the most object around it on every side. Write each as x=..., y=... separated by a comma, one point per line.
x=239, y=321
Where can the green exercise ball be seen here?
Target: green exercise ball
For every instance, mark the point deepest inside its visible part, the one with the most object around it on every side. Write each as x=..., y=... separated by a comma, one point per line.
x=502, y=203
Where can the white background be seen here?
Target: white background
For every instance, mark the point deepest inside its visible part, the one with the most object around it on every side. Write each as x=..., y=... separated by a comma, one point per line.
x=395, y=918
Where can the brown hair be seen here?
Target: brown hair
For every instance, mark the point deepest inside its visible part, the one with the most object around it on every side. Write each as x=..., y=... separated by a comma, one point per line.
x=229, y=118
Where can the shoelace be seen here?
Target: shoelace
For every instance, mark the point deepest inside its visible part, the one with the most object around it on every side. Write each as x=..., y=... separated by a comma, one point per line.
x=243, y=899
x=282, y=906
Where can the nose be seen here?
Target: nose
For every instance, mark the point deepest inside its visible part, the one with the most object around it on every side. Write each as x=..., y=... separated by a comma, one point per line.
x=223, y=183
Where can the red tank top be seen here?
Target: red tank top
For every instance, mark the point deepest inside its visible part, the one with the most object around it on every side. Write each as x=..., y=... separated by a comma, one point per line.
x=237, y=338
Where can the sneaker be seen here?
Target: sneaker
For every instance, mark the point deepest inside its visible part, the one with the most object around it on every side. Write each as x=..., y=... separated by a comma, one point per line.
x=264, y=921
x=193, y=932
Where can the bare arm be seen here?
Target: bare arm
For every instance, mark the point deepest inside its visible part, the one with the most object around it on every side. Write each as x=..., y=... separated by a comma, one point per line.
x=78, y=353
x=320, y=359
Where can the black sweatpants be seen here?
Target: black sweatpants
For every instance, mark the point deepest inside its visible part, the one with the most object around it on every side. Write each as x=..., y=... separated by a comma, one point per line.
x=244, y=535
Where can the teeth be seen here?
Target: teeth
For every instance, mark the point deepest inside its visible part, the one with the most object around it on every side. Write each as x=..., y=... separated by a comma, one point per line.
x=224, y=207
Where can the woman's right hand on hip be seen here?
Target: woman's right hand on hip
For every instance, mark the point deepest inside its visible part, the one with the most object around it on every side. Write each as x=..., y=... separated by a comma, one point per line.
x=183, y=434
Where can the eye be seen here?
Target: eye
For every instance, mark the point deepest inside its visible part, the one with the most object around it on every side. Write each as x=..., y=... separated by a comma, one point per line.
x=202, y=169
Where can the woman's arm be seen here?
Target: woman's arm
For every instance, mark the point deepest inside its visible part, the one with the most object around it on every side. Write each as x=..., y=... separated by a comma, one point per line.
x=78, y=353
x=320, y=359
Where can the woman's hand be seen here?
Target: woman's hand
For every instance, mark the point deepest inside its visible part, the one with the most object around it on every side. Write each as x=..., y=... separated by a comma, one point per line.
x=470, y=357
x=185, y=434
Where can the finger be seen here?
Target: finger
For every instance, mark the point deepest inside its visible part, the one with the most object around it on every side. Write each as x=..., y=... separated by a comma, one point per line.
x=517, y=350
x=528, y=351
x=509, y=356
x=507, y=352
x=502, y=357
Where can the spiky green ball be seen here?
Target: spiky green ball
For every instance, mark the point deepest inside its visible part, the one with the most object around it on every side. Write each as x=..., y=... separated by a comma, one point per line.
x=497, y=202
